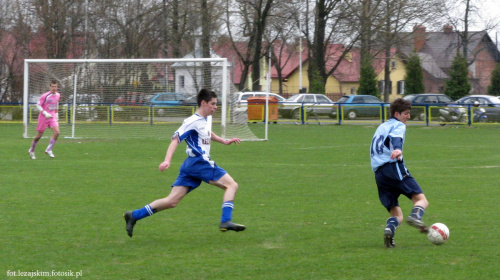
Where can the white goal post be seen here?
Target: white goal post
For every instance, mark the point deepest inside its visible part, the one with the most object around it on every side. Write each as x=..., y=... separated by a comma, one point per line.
x=133, y=98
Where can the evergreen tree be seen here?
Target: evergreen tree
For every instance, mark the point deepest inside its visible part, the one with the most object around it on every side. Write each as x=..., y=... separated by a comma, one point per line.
x=458, y=85
x=368, y=78
x=316, y=84
x=414, y=80
x=494, y=88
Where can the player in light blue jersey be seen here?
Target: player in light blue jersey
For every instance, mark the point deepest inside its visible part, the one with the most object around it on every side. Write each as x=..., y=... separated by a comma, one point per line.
x=198, y=166
x=391, y=175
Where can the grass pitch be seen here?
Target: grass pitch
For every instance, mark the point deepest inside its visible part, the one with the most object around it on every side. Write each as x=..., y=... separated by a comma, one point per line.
x=307, y=196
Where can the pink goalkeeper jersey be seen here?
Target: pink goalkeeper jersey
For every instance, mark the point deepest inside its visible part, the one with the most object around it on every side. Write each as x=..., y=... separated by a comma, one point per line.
x=49, y=102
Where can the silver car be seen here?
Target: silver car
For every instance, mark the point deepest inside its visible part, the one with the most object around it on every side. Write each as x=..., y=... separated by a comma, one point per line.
x=241, y=98
x=313, y=103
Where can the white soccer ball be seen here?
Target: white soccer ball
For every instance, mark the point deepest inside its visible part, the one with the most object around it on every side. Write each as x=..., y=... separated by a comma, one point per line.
x=438, y=233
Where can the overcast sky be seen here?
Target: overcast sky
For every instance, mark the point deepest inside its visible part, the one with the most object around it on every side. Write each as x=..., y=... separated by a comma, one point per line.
x=491, y=11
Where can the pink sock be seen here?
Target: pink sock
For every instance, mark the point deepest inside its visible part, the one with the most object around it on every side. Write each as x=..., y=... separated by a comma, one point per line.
x=51, y=144
x=33, y=145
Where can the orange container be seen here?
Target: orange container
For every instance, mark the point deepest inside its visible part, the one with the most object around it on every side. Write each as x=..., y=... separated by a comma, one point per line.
x=256, y=106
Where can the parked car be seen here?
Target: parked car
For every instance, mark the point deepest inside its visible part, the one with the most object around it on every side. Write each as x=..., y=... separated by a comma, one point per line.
x=241, y=99
x=33, y=98
x=313, y=102
x=355, y=106
x=191, y=101
x=85, y=105
x=489, y=104
x=133, y=98
x=165, y=99
x=420, y=100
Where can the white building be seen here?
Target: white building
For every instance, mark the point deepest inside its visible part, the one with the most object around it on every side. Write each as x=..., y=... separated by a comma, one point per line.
x=189, y=78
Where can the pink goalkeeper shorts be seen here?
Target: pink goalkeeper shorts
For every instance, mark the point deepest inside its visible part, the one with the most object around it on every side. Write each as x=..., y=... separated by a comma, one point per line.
x=43, y=123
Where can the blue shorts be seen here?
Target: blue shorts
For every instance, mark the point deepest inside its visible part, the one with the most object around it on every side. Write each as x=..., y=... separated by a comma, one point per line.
x=393, y=180
x=196, y=169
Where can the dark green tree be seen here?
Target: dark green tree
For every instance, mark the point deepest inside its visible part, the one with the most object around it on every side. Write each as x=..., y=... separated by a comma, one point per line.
x=494, y=88
x=316, y=84
x=368, y=78
x=458, y=84
x=414, y=80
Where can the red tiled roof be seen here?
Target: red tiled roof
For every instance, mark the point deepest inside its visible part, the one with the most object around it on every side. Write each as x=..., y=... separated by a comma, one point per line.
x=225, y=49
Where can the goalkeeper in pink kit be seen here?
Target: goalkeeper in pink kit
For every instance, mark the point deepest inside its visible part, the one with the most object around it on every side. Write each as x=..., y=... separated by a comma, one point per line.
x=48, y=106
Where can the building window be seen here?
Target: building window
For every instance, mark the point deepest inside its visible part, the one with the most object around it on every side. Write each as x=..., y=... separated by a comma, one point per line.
x=381, y=87
x=401, y=87
x=181, y=81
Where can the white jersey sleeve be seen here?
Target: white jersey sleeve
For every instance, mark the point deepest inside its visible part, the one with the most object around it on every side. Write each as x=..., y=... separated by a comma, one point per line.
x=194, y=131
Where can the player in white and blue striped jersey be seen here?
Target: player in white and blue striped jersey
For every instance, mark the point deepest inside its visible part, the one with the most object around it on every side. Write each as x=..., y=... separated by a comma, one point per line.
x=391, y=175
x=198, y=166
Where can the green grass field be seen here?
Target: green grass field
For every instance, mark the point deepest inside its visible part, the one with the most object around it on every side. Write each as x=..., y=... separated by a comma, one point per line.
x=307, y=196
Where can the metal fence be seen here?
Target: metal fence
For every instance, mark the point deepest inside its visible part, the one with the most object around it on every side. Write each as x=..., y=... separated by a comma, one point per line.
x=298, y=113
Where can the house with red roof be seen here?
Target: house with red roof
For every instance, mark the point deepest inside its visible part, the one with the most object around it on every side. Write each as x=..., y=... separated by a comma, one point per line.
x=343, y=81
x=435, y=49
x=438, y=49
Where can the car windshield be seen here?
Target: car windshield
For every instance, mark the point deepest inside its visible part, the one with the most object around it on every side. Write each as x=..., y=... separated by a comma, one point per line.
x=371, y=99
x=343, y=99
x=445, y=98
x=149, y=97
x=294, y=98
x=246, y=96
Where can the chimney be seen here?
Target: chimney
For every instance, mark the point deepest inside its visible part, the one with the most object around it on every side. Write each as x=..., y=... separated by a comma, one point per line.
x=448, y=29
x=419, y=37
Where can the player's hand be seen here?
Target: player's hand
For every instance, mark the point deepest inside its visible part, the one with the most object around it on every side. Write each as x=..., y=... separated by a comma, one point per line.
x=47, y=114
x=164, y=165
x=396, y=154
x=234, y=140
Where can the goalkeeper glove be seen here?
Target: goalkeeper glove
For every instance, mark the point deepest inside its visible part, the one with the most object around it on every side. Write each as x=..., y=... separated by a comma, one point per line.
x=47, y=114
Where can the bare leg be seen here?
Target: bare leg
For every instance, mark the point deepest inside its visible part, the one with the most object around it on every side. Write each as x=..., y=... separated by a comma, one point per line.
x=229, y=186
x=171, y=201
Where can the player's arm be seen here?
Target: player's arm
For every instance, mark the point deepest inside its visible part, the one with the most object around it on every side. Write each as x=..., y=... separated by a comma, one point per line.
x=40, y=108
x=216, y=138
x=57, y=112
x=170, y=152
x=397, y=144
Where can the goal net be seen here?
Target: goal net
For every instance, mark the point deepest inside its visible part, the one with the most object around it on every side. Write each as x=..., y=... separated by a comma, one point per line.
x=133, y=98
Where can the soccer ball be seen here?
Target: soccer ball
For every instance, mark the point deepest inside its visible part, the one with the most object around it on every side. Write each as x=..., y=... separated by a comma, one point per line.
x=438, y=233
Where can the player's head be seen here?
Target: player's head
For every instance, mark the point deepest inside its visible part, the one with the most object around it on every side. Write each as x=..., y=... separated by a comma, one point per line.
x=53, y=86
x=400, y=109
x=399, y=105
x=205, y=95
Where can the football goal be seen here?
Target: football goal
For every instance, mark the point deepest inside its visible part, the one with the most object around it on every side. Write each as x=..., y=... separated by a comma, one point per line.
x=133, y=98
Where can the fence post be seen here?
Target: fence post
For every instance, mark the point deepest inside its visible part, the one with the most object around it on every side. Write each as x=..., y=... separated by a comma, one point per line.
x=339, y=113
x=110, y=114
x=151, y=114
x=427, y=114
x=469, y=110
x=383, y=112
x=302, y=113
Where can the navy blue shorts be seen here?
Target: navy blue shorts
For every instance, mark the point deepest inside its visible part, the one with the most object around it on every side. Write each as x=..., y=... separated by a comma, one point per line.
x=194, y=170
x=393, y=180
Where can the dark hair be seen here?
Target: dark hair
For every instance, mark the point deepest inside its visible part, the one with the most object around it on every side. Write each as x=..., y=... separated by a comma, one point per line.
x=53, y=82
x=399, y=105
x=205, y=95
